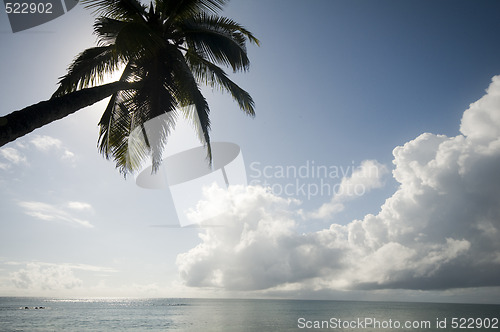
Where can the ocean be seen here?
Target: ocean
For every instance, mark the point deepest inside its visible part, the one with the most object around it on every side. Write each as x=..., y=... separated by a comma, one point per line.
x=234, y=315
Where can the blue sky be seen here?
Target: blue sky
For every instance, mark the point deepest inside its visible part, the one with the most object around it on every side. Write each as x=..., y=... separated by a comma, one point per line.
x=338, y=83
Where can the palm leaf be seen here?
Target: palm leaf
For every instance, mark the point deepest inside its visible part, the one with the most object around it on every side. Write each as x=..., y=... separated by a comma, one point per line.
x=237, y=31
x=214, y=76
x=153, y=108
x=106, y=123
x=136, y=40
x=175, y=10
x=152, y=103
x=188, y=93
x=125, y=10
x=129, y=148
x=219, y=40
x=89, y=68
x=107, y=29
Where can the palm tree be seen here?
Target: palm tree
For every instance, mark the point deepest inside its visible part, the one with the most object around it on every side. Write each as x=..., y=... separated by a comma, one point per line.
x=165, y=51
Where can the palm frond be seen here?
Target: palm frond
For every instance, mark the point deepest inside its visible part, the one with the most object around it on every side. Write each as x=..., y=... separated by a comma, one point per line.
x=123, y=138
x=106, y=123
x=129, y=148
x=218, y=39
x=148, y=106
x=107, y=29
x=174, y=10
x=156, y=132
x=89, y=68
x=238, y=32
x=105, y=126
x=188, y=93
x=155, y=75
x=158, y=122
x=155, y=103
x=125, y=10
x=136, y=40
x=214, y=76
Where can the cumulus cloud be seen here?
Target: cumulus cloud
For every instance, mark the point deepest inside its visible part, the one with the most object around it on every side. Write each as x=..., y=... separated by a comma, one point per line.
x=51, y=212
x=45, y=277
x=35, y=278
x=439, y=230
x=366, y=177
x=481, y=122
x=255, y=223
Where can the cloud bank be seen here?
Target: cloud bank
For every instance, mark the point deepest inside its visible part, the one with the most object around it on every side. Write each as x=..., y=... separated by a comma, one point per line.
x=439, y=230
x=45, y=277
x=40, y=278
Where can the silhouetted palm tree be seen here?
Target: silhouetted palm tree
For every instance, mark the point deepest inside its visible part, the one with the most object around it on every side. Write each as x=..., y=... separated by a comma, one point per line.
x=165, y=50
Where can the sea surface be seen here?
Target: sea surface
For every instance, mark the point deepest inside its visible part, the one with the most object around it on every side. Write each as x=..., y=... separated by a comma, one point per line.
x=45, y=314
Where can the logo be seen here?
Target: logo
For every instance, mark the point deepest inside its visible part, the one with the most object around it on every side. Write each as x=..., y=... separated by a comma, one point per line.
x=27, y=14
x=188, y=175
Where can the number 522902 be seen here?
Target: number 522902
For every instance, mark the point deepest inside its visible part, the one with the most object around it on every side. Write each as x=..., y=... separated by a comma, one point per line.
x=28, y=8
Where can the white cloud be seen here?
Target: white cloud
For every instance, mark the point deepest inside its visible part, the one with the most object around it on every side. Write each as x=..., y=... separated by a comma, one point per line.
x=38, y=276
x=34, y=278
x=481, y=122
x=91, y=268
x=79, y=206
x=68, y=155
x=254, y=223
x=12, y=156
x=440, y=229
x=50, y=212
x=75, y=280
x=366, y=177
x=46, y=143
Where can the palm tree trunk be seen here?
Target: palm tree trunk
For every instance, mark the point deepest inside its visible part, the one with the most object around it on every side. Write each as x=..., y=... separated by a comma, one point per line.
x=22, y=122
